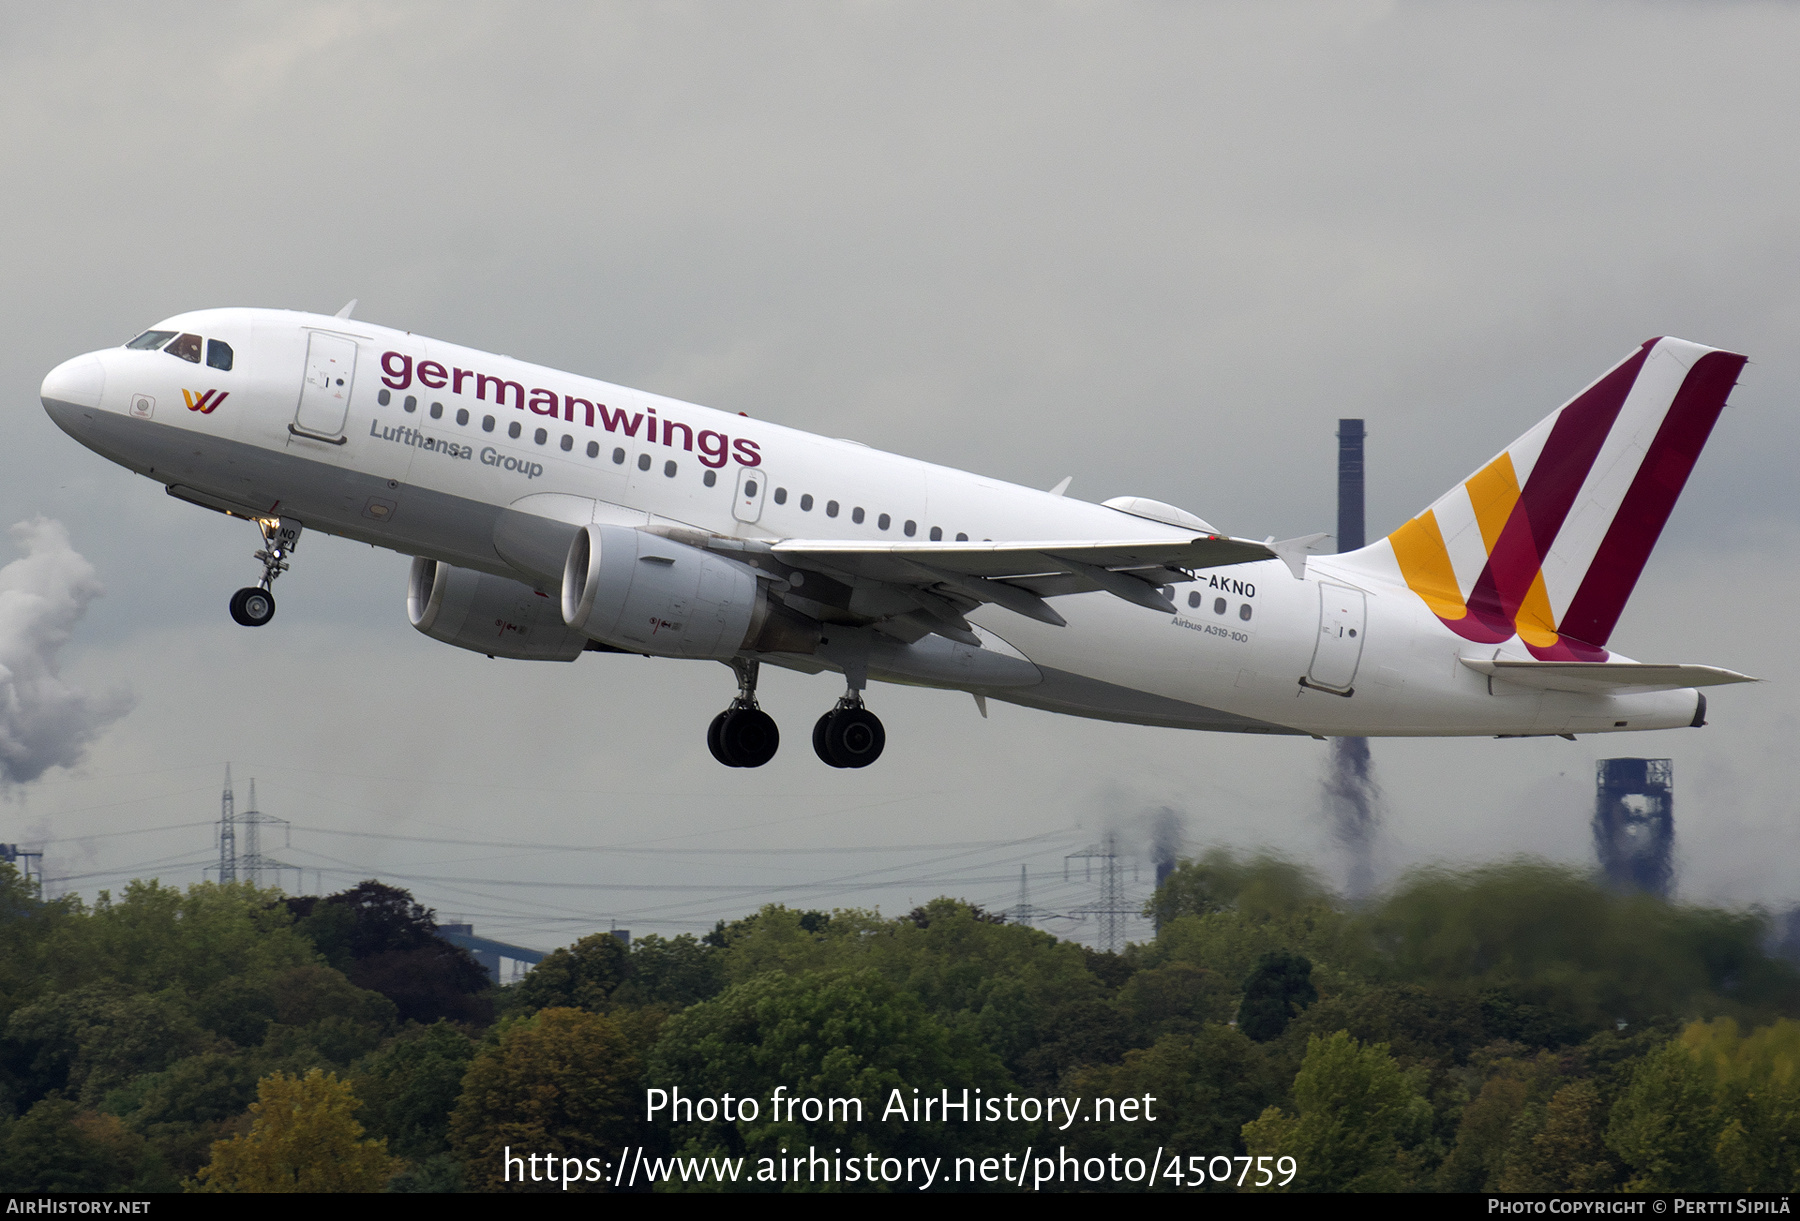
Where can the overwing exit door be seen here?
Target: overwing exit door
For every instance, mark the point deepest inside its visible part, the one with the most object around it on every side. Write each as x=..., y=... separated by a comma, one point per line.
x=750, y=492
x=1338, y=651
x=325, y=394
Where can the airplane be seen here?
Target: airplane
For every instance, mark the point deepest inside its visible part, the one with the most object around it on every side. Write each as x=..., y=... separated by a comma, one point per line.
x=549, y=515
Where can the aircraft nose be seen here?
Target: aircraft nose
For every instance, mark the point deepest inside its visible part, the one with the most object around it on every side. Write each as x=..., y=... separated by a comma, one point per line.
x=79, y=382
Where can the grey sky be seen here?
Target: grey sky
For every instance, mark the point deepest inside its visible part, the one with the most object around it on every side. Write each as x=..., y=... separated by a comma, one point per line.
x=1161, y=248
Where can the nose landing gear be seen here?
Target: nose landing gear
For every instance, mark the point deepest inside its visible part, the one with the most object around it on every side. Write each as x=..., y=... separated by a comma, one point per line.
x=254, y=605
x=743, y=735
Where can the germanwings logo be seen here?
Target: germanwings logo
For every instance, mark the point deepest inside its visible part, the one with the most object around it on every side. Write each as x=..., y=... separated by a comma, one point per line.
x=1547, y=541
x=206, y=403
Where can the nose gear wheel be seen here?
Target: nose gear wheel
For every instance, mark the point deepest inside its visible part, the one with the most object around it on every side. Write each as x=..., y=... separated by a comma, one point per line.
x=254, y=605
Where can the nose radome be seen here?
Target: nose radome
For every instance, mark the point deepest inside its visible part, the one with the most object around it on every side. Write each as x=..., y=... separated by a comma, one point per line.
x=79, y=382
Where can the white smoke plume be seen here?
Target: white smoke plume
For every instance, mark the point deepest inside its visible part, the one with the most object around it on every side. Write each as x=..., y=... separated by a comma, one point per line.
x=45, y=721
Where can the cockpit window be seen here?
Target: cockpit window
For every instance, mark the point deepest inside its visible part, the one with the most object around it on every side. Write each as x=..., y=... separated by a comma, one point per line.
x=218, y=355
x=185, y=346
x=150, y=340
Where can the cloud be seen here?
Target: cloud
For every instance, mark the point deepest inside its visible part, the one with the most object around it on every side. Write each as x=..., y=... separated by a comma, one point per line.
x=45, y=721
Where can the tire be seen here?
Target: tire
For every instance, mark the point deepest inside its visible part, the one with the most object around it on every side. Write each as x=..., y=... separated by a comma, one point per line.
x=714, y=741
x=855, y=737
x=821, y=731
x=252, y=606
x=749, y=736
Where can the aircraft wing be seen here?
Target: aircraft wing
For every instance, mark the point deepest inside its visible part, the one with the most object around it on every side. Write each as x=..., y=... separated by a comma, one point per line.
x=909, y=589
x=1019, y=575
x=901, y=561
x=1605, y=677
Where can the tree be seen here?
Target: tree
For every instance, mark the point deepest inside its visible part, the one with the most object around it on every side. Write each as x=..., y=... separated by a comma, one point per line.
x=561, y=1082
x=409, y=1088
x=95, y=1037
x=303, y=1138
x=674, y=971
x=1207, y=1084
x=56, y=1146
x=386, y=942
x=1279, y=987
x=1568, y=1153
x=1714, y=1110
x=580, y=976
x=1358, y=1113
x=822, y=1035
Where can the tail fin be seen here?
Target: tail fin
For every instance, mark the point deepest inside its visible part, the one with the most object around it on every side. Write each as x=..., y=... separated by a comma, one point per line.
x=1547, y=540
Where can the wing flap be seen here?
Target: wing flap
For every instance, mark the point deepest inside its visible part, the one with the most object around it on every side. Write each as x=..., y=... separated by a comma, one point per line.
x=1605, y=677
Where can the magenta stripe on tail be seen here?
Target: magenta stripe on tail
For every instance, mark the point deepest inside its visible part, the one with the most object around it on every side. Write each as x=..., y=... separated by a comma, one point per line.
x=1614, y=573
x=1544, y=501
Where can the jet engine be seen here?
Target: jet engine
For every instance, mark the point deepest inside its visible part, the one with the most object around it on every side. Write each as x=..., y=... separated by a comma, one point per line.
x=488, y=614
x=643, y=593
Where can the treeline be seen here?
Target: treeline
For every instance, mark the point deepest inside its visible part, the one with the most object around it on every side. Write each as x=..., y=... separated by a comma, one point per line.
x=1517, y=1028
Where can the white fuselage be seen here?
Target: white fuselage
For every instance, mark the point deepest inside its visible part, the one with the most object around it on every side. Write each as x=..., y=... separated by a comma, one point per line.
x=447, y=479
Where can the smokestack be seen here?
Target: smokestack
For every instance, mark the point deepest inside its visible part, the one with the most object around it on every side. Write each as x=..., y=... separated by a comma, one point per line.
x=1350, y=485
x=1634, y=823
x=1165, y=842
x=1351, y=795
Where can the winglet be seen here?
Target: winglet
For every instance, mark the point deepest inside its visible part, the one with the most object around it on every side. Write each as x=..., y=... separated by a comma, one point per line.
x=1293, y=551
x=1063, y=486
x=349, y=307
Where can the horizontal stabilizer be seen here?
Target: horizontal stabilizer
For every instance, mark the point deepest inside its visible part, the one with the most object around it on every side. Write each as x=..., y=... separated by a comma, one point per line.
x=1604, y=677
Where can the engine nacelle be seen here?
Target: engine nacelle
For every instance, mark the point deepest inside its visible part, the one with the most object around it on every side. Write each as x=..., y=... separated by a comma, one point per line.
x=488, y=614
x=643, y=593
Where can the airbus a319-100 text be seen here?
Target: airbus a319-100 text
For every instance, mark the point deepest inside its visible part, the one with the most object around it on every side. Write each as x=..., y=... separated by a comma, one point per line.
x=550, y=514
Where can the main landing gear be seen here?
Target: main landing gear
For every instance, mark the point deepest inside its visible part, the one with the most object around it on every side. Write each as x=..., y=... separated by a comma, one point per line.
x=743, y=735
x=849, y=735
x=254, y=605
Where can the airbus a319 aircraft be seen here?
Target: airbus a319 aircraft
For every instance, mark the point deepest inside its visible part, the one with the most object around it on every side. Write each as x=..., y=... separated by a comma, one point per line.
x=550, y=514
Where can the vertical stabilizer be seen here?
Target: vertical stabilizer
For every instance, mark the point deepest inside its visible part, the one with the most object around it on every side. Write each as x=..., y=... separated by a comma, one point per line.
x=1546, y=541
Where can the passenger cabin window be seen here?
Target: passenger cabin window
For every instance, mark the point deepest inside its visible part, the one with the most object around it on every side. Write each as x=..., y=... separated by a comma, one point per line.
x=937, y=534
x=513, y=430
x=462, y=415
x=856, y=515
x=218, y=355
x=806, y=503
x=437, y=411
x=710, y=478
x=780, y=496
x=185, y=346
x=831, y=508
x=149, y=341
x=487, y=423
x=593, y=449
